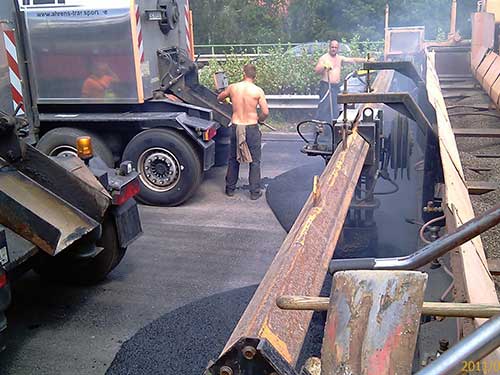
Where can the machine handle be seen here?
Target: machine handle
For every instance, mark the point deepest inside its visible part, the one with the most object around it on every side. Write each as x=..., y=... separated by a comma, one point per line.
x=351, y=264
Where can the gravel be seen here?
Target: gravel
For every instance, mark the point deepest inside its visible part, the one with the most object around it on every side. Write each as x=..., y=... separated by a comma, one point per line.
x=468, y=149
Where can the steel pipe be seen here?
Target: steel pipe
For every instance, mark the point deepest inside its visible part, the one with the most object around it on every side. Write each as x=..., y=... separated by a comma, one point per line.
x=471, y=349
x=428, y=253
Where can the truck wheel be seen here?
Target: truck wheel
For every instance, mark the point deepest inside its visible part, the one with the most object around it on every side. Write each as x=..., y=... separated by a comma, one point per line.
x=62, y=141
x=170, y=170
x=65, y=267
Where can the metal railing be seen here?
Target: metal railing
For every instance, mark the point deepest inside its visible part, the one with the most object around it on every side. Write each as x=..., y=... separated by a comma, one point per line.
x=261, y=47
x=221, y=49
x=219, y=52
x=292, y=101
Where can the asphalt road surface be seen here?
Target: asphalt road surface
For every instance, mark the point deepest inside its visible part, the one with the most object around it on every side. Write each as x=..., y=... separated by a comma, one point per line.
x=211, y=245
x=173, y=301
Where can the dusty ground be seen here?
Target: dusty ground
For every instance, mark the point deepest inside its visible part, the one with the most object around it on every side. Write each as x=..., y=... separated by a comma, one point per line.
x=469, y=148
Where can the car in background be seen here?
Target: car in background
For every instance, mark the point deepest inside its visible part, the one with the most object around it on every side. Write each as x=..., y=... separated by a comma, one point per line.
x=311, y=47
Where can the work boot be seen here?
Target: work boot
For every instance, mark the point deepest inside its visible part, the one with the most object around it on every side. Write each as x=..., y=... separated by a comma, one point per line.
x=255, y=195
x=230, y=192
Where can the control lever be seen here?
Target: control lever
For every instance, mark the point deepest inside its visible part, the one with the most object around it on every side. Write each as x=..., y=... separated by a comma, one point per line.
x=428, y=253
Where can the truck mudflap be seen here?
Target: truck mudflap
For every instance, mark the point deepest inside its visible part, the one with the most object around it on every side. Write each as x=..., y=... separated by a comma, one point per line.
x=195, y=127
x=5, y=298
x=128, y=223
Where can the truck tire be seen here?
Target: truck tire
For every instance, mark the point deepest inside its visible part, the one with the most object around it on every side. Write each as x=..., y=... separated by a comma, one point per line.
x=168, y=165
x=66, y=268
x=61, y=141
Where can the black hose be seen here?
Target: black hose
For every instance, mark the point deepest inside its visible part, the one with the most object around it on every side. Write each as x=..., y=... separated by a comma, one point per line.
x=313, y=122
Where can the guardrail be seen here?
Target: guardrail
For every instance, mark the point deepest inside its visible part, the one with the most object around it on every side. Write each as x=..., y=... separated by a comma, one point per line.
x=292, y=101
x=258, y=48
x=223, y=57
x=219, y=52
x=218, y=49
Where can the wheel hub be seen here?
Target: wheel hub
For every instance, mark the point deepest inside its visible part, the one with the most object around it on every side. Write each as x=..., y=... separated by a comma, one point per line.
x=64, y=151
x=159, y=169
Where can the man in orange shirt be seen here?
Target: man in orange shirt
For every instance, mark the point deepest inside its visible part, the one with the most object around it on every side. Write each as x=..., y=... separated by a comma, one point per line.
x=99, y=81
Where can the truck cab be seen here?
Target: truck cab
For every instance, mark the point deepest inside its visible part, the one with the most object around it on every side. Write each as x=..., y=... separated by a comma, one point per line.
x=121, y=71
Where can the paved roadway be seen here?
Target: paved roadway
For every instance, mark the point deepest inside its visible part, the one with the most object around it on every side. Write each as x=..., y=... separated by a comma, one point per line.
x=210, y=245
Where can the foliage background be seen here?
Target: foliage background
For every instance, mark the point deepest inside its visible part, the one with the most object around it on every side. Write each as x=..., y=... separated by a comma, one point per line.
x=285, y=73
x=270, y=21
x=302, y=21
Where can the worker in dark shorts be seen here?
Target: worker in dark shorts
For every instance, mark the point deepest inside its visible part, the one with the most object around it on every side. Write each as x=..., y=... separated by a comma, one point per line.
x=245, y=146
x=329, y=68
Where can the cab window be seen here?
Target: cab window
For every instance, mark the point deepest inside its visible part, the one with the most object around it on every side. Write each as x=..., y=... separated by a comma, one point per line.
x=42, y=2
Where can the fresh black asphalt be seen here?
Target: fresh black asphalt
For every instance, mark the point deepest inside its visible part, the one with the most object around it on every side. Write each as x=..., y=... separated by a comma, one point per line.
x=173, y=301
x=185, y=340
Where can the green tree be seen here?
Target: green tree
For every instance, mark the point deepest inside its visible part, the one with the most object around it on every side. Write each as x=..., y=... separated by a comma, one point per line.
x=270, y=21
x=238, y=21
x=326, y=19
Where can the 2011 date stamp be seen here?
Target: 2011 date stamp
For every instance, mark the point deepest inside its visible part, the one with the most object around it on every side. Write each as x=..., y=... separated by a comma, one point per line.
x=484, y=367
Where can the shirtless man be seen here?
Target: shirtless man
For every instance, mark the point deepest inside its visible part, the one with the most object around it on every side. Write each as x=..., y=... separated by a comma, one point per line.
x=245, y=133
x=328, y=67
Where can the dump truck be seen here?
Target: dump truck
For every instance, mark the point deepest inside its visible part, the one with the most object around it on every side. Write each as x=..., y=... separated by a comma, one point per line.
x=69, y=218
x=122, y=72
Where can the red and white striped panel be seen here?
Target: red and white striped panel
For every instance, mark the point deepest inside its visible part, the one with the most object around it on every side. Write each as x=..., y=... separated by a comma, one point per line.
x=14, y=72
x=187, y=23
x=140, y=40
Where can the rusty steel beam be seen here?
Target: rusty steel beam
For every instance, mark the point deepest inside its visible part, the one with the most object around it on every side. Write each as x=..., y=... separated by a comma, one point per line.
x=267, y=339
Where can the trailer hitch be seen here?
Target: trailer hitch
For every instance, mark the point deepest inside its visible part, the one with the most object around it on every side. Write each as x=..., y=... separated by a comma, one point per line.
x=428, y=253
x=10, y=147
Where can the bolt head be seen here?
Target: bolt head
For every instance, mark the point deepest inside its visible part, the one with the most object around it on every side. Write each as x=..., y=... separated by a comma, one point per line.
x=226, y=370
x=444, y=343
x=249, y=352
